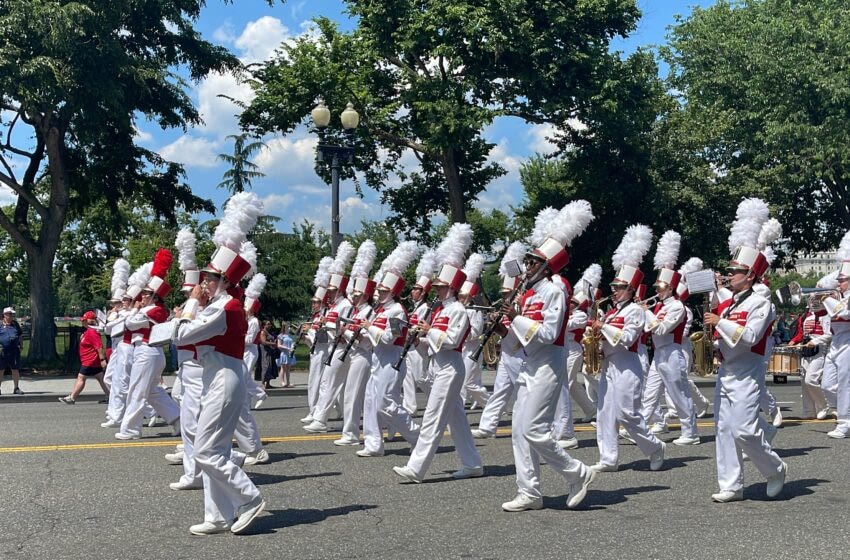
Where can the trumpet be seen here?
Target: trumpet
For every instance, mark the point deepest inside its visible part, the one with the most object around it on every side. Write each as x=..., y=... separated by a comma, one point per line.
x=793, y=293
x=649, y=301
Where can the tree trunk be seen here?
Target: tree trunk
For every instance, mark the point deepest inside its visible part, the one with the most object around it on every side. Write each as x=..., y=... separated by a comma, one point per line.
x=43, y=342
x=456, y=202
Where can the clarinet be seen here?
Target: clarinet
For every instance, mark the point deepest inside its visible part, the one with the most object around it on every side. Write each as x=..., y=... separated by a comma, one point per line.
x=491, y=328
x=341, y=327
x=299, y=339
x=411, y=338
x=355, y=336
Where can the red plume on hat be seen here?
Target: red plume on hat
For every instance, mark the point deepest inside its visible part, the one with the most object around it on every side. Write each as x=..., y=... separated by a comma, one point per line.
x=161, y=263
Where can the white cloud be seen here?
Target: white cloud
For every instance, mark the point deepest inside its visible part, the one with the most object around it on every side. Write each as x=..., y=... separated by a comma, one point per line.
x=142, y=136
x=192, y=152
x=225, y=33
x=540, y=138
x=219, y=114
x=260, y=38
x=277, y=204
x=291, y=157
x=7, y=196
x=506, y=191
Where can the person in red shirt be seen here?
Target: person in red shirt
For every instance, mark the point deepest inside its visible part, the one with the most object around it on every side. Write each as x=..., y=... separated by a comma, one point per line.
x=92, y=359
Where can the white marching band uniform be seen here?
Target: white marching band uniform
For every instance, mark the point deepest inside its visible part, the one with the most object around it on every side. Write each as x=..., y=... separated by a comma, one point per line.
x=256, y=394
x=564, y=426
x=359, y=369
x=320, y=347
x=121, y=362
x=815, y=326
x=417, y=356
x=838, y=360
x=333, y=375
x=472, y=389
x=504, y=386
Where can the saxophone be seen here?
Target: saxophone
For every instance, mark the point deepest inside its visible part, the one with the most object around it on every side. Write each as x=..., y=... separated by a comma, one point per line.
x=592, y=345
x=703, y=342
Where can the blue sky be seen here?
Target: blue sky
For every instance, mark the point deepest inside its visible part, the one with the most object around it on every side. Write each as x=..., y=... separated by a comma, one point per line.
x=291, y=190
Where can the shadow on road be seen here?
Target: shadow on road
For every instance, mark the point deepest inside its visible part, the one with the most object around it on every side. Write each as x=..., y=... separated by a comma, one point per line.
x=797, y=451
x=669, y=463
x=262, y=479
x=599, y=499
x=282, y=518
x=275, y=457
x=792, y=489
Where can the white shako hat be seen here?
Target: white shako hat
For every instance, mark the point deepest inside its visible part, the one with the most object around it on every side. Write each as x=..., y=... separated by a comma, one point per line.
x=344, y=253
x=472, y=270
x=161, y=263
x=752, y=213
x=586, y=287
x=425, y=270
x=514, y=252
x=569, y=223
x=120, y=273
x=628, y=256
x=450, y=255
x=240, y=216
x=693, y=264
x=391, y=273
x=253, y=292
x=666, y=257
x=320, y=281
x=360, y=282
x=138, y=280
x=843, y=257
x=187, y=259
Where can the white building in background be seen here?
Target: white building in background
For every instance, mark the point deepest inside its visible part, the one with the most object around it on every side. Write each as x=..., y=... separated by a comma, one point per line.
x=818, y=264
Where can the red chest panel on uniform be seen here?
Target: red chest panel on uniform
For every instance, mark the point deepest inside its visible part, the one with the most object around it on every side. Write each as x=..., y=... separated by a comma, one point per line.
x=533, y=311
x=331, y=317
x=232, y=342
x=679, y=332
x=620, y=323
x=128, y=334
x=156, y=315
x=812, y=326
x=414, y=320
x=381, y=323
x=353, y=326
x=740, y=317
x=441, y=323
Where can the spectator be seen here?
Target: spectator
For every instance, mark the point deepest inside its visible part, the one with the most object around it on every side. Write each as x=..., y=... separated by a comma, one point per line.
x=10, y=347
x=287, y=357
x=269, y=352
x=92, y=359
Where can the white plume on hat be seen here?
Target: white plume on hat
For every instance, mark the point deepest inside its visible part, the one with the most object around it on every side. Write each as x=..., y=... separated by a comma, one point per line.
x=185, y=244
x=514, y=252
x=401, y=257
x=452, y=250
x=590, y=279
x=843, y=252
x=771, y=230
x=249, y=252
x=543, y=225
x=427, y=264
x=829, y=282
x=141, y=276
x=366, y=254
x=667, y=252
x=344, y=254
x=240, y=216
x=120, y=273
x=323, y=275
x=752, y=213
x=693, y=264
x=633, y=247
x=473, y=267
x=256, y=286
x=570, y=222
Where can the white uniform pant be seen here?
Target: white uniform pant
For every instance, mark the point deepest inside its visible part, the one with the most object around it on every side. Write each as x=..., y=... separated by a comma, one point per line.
x=226, y=486
x=417, y=364
x=247, y=434
x=766, y=398
x=122, y=359
x=192, y=383
x=330, y=390
x=504, y=388
x=577, y=390
x=739, y=427
x=110, y=367
x=473, y=390
x=409, y=392
x=839, y=360
x=382, y=402
x=314, y=377
x=563, y=427
x=250, y=357
x=444, y=407
x=652, y=385
x=359, y=370
x=144, y=388
x=813, y=396
x=701, y=404
x=669, y=363
x=619, y=402
x=538, y=387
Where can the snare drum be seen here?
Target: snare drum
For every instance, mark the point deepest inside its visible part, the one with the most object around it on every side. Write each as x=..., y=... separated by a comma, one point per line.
x=784, y=362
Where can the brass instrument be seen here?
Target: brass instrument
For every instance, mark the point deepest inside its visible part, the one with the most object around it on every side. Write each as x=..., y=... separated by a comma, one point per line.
x=491, y=350
x=649, y=301
x=793, y=293
x=703, y=342
x=592, y=345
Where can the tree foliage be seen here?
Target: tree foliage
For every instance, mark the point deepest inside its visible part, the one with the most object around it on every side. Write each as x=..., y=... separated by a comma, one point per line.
x=242, y=169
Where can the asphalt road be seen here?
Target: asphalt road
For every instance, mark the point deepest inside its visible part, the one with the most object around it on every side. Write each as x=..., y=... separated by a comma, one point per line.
x=69, y=490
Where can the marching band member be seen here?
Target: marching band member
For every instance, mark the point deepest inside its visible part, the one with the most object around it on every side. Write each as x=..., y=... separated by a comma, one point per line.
x=148, y=361
x=472, y=390
x=417, y=358
x=838, y=358
x=317, y=336
x=252, y=340
x=814, y=335
x=335, y=370
x=620, y=382
x=114, y=327
x=510, y=357
x=771, y=230
x=360, y=352
x=742, y=328
x=382, y=402
x=667, y=325
x=218, y=334
x=117, y=369
x=444, y=334
x=540, y=325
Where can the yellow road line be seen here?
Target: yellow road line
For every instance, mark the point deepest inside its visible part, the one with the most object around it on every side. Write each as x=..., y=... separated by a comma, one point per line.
x=287, y=439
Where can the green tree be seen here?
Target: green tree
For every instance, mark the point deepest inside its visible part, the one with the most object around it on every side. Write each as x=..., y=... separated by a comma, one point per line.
x=242, y=170
x=763, y=91
x=428, y=76
x=78, y=75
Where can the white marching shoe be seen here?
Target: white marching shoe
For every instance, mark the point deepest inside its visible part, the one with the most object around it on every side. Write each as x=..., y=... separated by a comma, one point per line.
x=407, y=473
x=569, y=443
x=523, y=503
x=175, y=458
x=686, y=440
x=316, y=427
x=776, y=482
x=578, y=489
x=656, y=460
x=246, y=515
x=478, y=433
x=260, y=457
x=209, y=528
x=725, y=496
x=468, y=472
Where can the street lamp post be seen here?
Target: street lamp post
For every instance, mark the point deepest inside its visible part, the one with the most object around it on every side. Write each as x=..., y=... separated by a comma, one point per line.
x=337, y=155
x=9, y=280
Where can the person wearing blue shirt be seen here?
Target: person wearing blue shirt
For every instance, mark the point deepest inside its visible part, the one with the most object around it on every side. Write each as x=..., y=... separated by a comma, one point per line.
x=10, y=347
x=285, y=361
